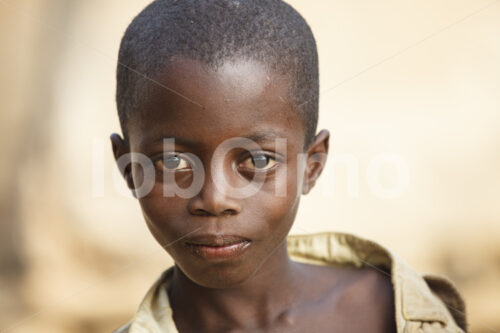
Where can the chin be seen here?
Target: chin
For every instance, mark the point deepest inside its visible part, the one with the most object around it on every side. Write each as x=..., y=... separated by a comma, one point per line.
x=220, y=276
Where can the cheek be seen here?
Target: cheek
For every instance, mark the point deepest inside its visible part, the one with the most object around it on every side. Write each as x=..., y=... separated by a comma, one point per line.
x=163, y=214
x=283, y=185
x=278, y=203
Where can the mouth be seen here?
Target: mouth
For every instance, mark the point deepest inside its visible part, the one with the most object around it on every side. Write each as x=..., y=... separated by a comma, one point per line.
x=216, y=247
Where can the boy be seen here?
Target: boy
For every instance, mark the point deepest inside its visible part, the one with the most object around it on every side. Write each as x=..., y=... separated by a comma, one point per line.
x=218, y=104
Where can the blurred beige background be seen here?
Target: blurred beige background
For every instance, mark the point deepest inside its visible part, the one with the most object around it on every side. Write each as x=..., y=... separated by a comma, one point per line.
x=417, y=82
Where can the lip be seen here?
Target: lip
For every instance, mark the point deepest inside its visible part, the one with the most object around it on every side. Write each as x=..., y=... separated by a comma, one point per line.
x=214, y=247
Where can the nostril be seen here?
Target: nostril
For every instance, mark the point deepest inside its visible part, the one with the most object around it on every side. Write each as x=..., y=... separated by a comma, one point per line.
x=201, y=212
x=228, y=212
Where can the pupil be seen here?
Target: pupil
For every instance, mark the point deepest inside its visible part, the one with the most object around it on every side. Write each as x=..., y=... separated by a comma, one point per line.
x=172, y=162
x=260, y=161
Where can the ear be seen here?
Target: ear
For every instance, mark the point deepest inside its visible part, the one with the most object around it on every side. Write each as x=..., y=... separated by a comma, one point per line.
x=316, y=160
x=121, y=152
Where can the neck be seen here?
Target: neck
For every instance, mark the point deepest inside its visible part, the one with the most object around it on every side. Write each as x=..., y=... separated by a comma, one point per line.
x=255, y=303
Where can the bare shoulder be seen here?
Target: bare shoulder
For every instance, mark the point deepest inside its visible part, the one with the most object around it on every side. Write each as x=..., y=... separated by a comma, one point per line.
x=368, y=296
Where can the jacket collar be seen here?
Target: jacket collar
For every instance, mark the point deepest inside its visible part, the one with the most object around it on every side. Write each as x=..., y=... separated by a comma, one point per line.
x=414, y=300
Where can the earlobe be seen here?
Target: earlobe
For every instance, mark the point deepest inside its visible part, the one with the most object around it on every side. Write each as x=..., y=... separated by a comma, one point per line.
x=121, y=151
x=316, y=160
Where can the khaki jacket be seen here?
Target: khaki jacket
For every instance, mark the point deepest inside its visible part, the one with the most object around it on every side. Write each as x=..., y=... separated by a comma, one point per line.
x=423, y=303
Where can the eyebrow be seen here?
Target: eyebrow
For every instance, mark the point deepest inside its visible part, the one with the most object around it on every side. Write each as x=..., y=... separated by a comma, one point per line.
x=258, y=136
x=177, y=139
x=262, y=136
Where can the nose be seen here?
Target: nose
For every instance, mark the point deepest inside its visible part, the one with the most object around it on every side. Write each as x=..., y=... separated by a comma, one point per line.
x=213, y=200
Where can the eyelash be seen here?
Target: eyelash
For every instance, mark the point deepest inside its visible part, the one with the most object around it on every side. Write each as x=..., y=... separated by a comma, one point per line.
x=252, y=159
x=162, y=160
x=270, y=158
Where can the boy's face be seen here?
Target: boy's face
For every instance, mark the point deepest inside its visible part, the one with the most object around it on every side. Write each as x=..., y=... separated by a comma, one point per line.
x=222, y=234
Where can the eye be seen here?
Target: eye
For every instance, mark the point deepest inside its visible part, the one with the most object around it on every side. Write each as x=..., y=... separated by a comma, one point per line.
x=260, y=162
x=172, y=162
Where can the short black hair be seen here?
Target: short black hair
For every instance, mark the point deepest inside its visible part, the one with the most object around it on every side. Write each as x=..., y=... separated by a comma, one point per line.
x=211, y=31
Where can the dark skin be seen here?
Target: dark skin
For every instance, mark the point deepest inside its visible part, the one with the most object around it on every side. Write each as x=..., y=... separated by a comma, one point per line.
x=261, y=290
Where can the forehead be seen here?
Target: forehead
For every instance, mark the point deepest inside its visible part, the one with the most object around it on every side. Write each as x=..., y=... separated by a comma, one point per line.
x=206, y=105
